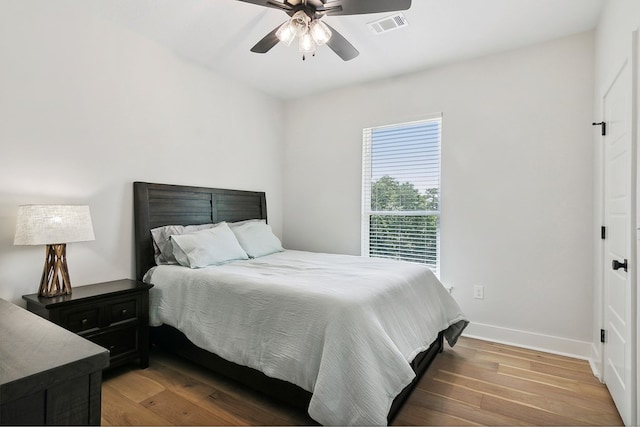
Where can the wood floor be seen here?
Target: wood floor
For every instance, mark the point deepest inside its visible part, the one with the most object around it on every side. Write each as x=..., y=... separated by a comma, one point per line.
x=475, y=383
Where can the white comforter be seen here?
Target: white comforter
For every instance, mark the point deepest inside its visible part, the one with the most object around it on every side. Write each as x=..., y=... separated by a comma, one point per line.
x=342, y=327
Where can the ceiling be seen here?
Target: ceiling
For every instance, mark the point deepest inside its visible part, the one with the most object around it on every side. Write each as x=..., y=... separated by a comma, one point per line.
x=219, y=33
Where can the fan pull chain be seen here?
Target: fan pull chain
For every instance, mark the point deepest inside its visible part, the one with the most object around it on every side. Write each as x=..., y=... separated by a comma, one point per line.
x=304, y=58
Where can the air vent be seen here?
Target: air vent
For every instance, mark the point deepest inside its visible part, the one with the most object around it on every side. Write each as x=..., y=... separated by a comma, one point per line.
x=388, y=24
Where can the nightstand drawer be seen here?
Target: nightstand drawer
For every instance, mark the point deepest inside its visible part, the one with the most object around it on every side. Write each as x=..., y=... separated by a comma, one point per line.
x=118, y=341
x=81, y=319
x=123, y=310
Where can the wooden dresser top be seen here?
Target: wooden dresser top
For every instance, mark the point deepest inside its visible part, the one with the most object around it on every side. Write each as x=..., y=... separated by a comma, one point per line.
x=35, y=352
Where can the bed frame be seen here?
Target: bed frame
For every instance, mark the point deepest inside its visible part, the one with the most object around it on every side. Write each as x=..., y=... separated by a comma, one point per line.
x=156, y=205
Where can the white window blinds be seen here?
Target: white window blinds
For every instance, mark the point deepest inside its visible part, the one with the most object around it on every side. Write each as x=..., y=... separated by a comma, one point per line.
x=401, y=192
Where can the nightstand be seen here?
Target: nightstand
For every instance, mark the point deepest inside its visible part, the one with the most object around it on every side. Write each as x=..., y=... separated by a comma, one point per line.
x=114, y=315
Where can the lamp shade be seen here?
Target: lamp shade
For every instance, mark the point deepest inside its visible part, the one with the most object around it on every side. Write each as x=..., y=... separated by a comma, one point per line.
x=53, y=224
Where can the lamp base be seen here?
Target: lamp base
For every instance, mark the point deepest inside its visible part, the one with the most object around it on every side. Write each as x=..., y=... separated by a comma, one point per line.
x=55, y=276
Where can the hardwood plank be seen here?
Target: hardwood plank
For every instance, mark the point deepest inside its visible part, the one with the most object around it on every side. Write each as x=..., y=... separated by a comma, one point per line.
x=532, y=355
x=563, y=382
x=119, y=410
x=415, y=415
x=134, y=385
x=524, y=352
x=253, y=414
x=198, y=392
x=578, y=410
x=468, y=413
x=526, y=413
x=475, y=383
x=454, y=390
x=538, y=362
x=570, y=396
x=179, y=411
x=555, y=370
x=184, y=385
x=257, y=407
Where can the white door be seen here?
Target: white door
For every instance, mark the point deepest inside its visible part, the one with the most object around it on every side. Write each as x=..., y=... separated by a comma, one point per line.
x=620, y=244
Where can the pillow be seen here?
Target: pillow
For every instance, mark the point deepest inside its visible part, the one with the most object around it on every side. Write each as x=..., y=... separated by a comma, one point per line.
x=211, y=246
x=238, y=223
x=257, y=238
x=162, y=247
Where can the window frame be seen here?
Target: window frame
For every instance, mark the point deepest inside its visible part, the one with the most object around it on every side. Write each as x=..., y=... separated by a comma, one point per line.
x=367, y=183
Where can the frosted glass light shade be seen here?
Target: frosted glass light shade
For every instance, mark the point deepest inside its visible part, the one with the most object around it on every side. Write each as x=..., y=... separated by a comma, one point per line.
x=306, y=44
x=320, y=32
x=299, y=23
x=285, y=34
x=53, y=224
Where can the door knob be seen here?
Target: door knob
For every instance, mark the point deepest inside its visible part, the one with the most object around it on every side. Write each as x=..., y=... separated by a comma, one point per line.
x=617, y=265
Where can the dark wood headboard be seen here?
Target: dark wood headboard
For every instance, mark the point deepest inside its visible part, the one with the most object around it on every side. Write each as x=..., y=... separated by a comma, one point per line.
x=155, y=205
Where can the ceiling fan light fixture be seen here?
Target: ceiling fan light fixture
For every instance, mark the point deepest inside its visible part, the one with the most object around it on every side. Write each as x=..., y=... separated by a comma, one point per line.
x=306, y=44
x=303, y=13
x=299, y=23
x=285, y=34
x=320, y=32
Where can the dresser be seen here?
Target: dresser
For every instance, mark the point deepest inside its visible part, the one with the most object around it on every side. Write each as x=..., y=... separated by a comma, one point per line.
x=48, y=375
x=114, y=315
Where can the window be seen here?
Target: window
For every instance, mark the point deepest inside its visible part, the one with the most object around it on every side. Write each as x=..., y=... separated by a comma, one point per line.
x=401, y=192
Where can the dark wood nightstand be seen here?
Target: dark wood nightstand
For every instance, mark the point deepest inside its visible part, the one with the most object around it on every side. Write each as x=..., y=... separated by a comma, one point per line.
x=114, y=315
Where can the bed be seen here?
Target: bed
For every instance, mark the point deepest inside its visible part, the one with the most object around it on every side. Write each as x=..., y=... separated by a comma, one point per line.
x=342, y=378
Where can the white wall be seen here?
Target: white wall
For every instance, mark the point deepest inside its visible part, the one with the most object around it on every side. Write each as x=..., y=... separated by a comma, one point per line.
x=517, y=198
x=86, y=108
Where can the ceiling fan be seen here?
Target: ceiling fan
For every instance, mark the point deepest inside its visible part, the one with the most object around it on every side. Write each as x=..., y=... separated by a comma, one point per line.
x=306, y=23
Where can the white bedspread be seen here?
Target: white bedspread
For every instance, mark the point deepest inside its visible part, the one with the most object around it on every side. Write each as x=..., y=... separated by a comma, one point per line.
x=342, y=327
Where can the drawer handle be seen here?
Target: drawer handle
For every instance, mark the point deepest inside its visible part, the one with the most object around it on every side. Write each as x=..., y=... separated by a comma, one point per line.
x=124, y=311
x=112, y=347
x=84, y=321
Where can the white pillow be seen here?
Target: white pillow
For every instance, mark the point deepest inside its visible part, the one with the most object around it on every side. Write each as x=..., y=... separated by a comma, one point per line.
x=239, y=223
x=257, y=239
x=162, y=247
x=212, y=246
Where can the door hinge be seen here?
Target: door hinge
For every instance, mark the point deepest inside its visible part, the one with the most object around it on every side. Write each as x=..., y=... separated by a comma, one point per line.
x=604, y=127
x=603, y=232
x=603, y=335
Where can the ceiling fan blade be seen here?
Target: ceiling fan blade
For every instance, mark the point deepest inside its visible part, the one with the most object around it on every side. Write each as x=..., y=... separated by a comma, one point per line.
x=272, y=4
x=341, y=46
x=267, y=42
x=358, y=7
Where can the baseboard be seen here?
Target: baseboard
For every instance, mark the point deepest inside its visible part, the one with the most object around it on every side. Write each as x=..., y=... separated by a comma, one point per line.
x=531, y=340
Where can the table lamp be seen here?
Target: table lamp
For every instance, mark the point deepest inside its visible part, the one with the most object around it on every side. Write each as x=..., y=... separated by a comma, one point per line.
x=54, y=226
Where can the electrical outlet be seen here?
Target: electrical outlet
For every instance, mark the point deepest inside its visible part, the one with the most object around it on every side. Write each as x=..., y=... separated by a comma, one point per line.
x=478, y=292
